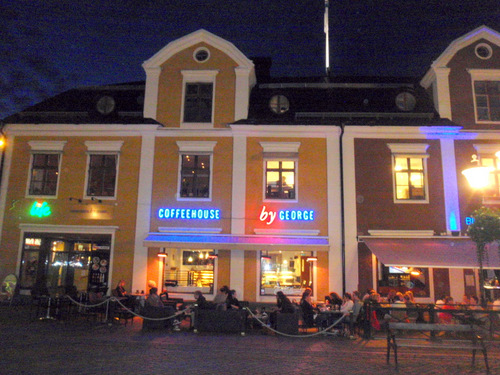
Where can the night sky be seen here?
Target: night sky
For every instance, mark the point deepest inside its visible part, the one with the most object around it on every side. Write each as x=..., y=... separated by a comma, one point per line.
x=49, y=46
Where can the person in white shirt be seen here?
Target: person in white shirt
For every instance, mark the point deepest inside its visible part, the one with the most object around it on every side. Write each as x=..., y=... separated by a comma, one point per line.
x=347, y=304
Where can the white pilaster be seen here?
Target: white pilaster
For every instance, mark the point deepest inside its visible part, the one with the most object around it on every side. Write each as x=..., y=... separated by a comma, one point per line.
x=238, y=211
x=139, y=277
x=443, y=92
x=450, y=184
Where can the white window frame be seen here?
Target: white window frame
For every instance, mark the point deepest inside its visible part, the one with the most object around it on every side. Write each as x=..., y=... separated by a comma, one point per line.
x=198, y=76
x=488, y=150
x=102, y=148
x=280, y=151
x=482, y=75
x=45, y=147
x=195, y=148
x=410, y=150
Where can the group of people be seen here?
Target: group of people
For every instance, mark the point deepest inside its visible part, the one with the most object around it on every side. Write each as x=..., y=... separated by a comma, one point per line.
x=225, y=299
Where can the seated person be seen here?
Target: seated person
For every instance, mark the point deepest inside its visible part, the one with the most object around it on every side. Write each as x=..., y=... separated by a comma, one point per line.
x=446, y=318
x=347, y=305
x=153, y=298
x=121, y=293
x=308, y=309
x=284, y=306
x=474, y=305
x=221, y=297
x=201, y=302
x=333, y=299
x=231, y=300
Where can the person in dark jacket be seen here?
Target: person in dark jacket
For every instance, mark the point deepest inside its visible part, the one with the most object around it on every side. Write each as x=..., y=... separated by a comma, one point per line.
x=283, y=303
x=231, y=300
x=202, y=302
x=308, y=309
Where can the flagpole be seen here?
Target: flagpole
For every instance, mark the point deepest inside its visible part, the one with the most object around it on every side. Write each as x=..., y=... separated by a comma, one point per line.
x=327, y=42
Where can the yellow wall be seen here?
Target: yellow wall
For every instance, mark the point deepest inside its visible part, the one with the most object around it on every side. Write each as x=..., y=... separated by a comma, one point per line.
x=250, y=286
x=170, y=86
x=72, y=184
x=166, y=182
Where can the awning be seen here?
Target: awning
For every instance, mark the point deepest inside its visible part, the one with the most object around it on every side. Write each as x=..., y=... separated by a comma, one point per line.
x=230, y=242
x=430, y=252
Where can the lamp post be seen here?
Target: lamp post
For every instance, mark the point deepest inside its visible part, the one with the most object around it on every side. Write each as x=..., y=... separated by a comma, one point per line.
x=485, y=228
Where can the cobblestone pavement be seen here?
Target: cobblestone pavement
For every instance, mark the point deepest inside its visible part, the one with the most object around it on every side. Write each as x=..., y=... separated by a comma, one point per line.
x=89, y=347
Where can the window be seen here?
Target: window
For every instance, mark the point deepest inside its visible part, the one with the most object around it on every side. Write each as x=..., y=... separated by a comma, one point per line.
x=102, y=168
x=288, y=271
x=487, y=94
x=198, y=102
x=102, y=176
x=409, y=172
x=280, y=169
x=44, y=174
x=198, y=98
x=487, y=158
x=187, y=270
x=402, y=279
x=280, y=179
x=279, y=104
x=195, y=176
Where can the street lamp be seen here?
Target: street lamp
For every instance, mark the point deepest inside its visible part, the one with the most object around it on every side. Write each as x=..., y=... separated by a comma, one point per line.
x=486, y=226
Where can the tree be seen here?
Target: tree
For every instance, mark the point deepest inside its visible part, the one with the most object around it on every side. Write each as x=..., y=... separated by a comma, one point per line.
x=484, y=230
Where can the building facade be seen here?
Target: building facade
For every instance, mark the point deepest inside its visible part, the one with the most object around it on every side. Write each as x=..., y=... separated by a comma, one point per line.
x=213, y=173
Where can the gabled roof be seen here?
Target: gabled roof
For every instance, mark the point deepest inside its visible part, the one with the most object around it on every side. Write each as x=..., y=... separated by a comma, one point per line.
x=194, y=38
x=482, y=32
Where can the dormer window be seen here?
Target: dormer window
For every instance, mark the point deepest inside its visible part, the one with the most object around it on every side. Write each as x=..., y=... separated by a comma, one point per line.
x=486, y=87
x=201, y=54
x=198, y=98
x=279, y=104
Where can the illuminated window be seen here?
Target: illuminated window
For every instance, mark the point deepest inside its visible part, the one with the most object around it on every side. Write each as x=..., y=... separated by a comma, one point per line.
x=487, y=95
x=409, y=163
x=402, y=279
x=44, y=174
x=195, y=176
x=187, y=270
x=288, y=271
x=280, y=179
x=487, y=158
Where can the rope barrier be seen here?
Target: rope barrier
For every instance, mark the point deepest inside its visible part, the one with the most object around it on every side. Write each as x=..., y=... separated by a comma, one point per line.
x=114, y=299
x=323, y=332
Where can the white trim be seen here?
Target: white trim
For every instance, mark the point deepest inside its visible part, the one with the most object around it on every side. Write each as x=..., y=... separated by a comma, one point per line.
x=239, y=185
x=486, y=148
x=198, y=76
x=288, y=147
x=103, y=146
x=49, y=228
x=151, y=91
x=245, y=80
x=482, y=75
x=30, y=170
x=188, y=230
x=450, y=184
x=47, y=146
x=5, y=179
x=287, y=232
x=201, y=49
x=409, y=150
x=143, y=220
x=400, y=233
x=488, y=47
x=196, y=146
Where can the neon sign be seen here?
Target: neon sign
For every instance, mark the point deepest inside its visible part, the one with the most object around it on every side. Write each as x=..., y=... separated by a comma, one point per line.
x=469, y=220
x=285, y=215
x=189, y=213
x=40, y=209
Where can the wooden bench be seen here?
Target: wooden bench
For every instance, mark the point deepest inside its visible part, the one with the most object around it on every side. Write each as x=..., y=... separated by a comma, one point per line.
x=466, y=338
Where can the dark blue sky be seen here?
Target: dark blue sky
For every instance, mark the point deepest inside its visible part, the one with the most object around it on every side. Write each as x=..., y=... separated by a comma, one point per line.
x=49, y=46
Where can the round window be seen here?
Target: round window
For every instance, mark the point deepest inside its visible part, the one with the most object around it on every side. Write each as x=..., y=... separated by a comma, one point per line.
x=405, y=101
x=201, y=54
x=105, y=105
x=483, y=51
x=279, y=104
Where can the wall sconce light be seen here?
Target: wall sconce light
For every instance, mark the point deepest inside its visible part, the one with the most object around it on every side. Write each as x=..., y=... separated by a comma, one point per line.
x=311, y=259
x=75, y=199
x=478, y=177
x=213, y=255
x=161, y=254
x=265, y=257
x=96, y=200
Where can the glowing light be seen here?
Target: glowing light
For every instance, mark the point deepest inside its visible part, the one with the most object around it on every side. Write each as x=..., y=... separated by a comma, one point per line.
x=189, y=213
x=40, y=209
x=478, y=177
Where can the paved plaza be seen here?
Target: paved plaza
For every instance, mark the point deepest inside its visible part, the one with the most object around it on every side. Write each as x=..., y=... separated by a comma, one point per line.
x=90, y=347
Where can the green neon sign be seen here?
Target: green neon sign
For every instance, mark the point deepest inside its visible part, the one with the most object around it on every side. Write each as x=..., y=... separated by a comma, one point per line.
x=40, y=209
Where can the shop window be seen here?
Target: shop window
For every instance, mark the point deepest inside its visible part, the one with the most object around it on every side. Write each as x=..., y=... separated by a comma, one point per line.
x=288, y=271
x=280, y=179
x=487, y=100
x=44, y=174
x=409, y=163
x=186, y=271
x=101, y=179
x=402, y=279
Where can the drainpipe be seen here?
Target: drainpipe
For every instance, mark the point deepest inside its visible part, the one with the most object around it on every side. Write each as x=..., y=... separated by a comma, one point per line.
x=342, y=210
